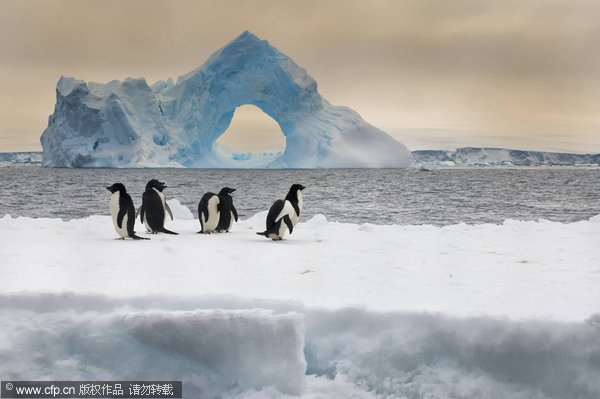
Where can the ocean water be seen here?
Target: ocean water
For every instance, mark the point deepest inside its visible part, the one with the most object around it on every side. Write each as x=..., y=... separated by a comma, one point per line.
x=380, y=196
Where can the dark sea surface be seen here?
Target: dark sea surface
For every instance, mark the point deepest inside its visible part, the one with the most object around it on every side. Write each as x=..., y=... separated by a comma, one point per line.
x=380, y=196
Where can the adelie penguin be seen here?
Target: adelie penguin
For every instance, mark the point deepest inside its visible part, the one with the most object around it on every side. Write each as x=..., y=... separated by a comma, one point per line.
x=159, y=187
x=216, y=211
x=154, y=208
x=122, y=212
x=284, y=214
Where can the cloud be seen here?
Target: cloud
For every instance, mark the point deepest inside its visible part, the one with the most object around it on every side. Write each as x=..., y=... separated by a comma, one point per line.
x=529, y=68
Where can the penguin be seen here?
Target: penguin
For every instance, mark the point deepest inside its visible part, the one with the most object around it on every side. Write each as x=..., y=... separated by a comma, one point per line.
x=160, y=187
x=284, y=214
x=227, y=210
x=154, y=208
x=122, y=212
x=209, y=213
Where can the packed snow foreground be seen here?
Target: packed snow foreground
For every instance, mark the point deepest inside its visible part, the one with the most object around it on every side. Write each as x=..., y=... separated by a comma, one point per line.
x=131, y=124
x=334, y=311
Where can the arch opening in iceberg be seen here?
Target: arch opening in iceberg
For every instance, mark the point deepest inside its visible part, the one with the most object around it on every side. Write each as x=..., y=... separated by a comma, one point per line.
x=252, y=140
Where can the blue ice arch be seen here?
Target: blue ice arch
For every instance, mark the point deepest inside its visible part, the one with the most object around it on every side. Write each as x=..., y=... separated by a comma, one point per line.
x=131, y=124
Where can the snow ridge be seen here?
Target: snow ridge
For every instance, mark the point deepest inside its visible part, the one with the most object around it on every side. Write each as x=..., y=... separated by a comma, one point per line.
x=239, y=351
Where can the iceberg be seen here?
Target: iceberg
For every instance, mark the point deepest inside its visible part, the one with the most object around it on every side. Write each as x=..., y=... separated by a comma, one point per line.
x=176, y=124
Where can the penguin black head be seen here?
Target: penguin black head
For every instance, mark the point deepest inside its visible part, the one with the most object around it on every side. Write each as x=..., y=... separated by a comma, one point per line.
x=226, y=190
x=116, y=187
x=155, y=184
x=296, y=187
x=293, y=193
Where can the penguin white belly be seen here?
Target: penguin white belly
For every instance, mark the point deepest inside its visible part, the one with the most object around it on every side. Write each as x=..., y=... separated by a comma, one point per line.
x=114, y=212
x=288, y=210
x=213, y=215
x=294, y=217
x=231, y=221
x=300, y=201
x=162, y=200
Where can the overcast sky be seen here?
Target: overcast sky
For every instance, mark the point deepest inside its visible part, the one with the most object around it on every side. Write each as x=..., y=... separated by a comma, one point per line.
x=434, y=74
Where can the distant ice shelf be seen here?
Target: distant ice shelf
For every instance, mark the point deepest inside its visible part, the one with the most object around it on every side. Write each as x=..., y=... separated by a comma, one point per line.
x=176, y=124
x=471, y=156
x=20, y=157
x=424, y=159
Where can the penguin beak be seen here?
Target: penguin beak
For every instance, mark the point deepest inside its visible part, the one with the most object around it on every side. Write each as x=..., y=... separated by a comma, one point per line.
x=302, y=187
x=232, y=189
x=108, y=188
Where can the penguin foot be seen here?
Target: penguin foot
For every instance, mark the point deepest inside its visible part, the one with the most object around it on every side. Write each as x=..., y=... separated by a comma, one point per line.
x=120, y=238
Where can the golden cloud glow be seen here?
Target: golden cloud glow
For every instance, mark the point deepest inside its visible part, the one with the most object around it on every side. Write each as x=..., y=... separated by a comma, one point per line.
x=434, y=73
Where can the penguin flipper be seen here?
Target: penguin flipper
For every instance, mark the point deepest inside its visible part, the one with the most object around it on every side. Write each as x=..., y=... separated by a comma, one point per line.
x=262, y=233
x=288, y=223
x=141, y=211
x=120, y=217
x=203, y=207
x=168, y=231
x=274, y=213
x=235, y=215
x=137, y=212
x=205, y=212
x=168, y=209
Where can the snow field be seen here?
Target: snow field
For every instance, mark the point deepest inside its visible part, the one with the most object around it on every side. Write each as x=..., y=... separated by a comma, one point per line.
x=520, y=270
x=334, y=311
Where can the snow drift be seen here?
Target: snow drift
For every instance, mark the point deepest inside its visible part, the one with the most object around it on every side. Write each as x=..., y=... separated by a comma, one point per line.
x=132, y=124
x=242, y=352
x=215, y=351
